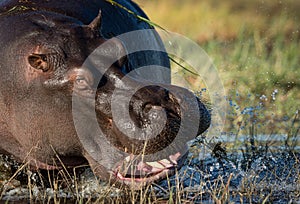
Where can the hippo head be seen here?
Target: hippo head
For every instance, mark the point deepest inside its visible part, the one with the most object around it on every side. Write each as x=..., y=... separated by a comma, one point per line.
x=129, y=130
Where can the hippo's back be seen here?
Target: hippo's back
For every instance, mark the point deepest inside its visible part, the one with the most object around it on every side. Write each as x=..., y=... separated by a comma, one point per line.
x=115, y=19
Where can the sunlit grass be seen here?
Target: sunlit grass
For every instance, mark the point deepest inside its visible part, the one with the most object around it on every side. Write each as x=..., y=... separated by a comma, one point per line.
x=222, y=20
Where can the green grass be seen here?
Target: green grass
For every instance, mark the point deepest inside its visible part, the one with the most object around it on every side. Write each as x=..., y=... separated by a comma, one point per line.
x=255, y=47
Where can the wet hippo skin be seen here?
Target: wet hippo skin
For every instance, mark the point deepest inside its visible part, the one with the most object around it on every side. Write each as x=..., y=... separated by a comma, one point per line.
x=44, y=45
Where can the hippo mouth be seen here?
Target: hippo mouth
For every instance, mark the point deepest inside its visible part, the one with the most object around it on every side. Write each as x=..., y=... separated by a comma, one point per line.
x=136, y=173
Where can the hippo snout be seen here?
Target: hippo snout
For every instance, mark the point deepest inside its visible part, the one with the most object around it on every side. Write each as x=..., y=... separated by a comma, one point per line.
x=151, y=125
x=148, y=120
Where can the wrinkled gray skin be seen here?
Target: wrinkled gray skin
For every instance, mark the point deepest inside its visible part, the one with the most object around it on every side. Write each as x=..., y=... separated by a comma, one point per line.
x=43, y=47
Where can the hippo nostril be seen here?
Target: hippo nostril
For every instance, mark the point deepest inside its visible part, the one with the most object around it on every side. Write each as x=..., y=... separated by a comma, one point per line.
x=147, y=107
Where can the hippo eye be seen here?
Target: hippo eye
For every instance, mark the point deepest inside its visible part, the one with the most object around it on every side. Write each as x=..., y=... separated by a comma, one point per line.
x=81, y=83
x=39, y=61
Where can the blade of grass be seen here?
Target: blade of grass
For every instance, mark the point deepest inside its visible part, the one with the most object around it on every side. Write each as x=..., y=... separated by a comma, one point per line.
x=134, y=14
x=183, y=67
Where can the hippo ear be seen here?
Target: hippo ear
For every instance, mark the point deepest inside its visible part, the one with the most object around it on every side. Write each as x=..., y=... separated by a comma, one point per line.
x=95, y=25
x=39, y=61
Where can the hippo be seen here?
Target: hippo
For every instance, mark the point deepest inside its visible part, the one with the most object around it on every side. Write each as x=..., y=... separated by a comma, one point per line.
x=60, y=110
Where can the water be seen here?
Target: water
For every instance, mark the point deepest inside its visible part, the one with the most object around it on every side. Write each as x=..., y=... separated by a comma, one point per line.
x=249, y=179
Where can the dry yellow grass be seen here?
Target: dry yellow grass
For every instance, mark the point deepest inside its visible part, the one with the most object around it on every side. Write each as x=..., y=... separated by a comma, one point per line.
x=221, y=20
